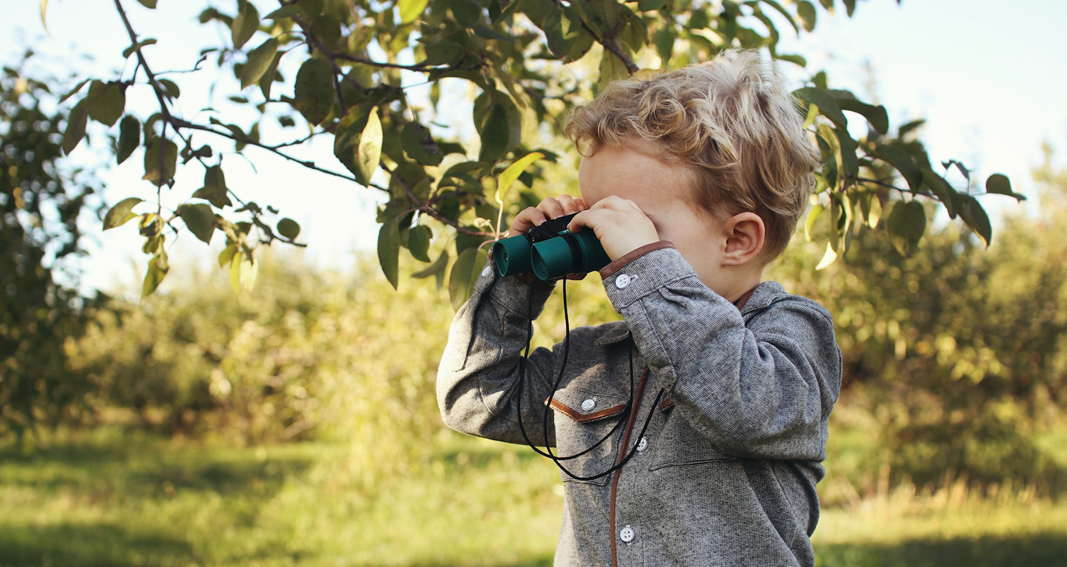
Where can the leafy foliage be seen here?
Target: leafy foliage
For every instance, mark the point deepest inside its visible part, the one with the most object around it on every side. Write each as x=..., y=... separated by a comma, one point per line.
x=41, y=202
x=957, y=352
x=390, y=133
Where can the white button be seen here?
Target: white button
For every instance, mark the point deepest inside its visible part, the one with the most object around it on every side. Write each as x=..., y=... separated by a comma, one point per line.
x=623, y=280
x=486, y=271
x=588, y=404
x=627, y=534
x=642, y=445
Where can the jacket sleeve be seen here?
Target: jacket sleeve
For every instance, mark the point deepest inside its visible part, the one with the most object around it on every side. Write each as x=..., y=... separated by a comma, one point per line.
x=764, y=389
x=479, y=388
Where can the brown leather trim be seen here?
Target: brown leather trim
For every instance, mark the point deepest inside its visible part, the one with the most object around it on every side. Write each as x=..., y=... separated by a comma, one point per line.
x=622, y=455
x=584, y=417
x=666, y=404
x=619, y=263
x=741, y=301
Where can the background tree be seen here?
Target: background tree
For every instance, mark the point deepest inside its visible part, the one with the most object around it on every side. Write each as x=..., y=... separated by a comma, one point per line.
x=41, y=201
x=957, y=353
x=333, y=68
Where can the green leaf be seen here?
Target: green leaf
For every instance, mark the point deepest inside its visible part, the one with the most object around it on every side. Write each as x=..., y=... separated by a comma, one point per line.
x=160, y=161
x=876, y=115
x=74, y=90
x=346, y=139
x=410, y=10
x=285, y=12
x=199, y=219
x=906, y=225
x=850, y=166
x=243, y=271
x=289, y=228
x=214, y=189
x=419, y=145
x=494, y=132
x=664, y=41
x=419, y=242
x=512, y=173
x=327, y=29
x=904, y=163
x=389, y=251
x=465, y=273
x=79, y=115
x=370, y=146
x=226, y=256
x=944, y=192
x=137, y=46
x=611, y=68
x=107, y=101
x=466, y=12
x=311, y=7
x=129, y=138
x=806, y=12
x=974, y=215
x=436, y=269
x=1000, y=184
x=121, y=213
x=850, y=6
x=244, y=25
x=157, y=270
x=559, y=41
x=313, y=94
x=813, y=214
x=170, y=88
x=828, y=257
x=267, y=81
x=150, y=4
x=905, y=129
x=826, y=102
x=259, y=61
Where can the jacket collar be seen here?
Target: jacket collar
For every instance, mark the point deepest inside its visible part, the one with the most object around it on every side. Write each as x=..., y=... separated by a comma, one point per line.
x=765, y=294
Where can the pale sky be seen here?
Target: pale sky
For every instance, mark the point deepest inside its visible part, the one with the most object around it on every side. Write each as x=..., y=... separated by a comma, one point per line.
x=986, y=75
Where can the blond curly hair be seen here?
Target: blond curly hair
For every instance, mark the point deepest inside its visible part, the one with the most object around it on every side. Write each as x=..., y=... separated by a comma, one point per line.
x=731, y=121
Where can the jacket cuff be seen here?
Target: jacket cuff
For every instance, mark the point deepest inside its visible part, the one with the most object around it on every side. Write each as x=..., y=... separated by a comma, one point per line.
x=620, y=263
x=512, y=293
x=646, y=274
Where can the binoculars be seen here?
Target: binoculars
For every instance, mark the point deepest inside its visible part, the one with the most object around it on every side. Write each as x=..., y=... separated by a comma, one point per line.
x=550, y=251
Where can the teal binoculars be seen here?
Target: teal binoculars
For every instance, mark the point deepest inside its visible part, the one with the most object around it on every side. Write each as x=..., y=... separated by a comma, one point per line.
x=550, y=251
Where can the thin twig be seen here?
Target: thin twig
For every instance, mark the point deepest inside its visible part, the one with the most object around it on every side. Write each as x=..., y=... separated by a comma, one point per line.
x=891, y=186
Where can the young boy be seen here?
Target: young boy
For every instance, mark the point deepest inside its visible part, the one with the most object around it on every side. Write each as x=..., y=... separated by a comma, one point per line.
x=714, y=393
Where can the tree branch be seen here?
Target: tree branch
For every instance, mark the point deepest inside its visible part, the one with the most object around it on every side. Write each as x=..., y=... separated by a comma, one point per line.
x=881, y=183
x=427, y=209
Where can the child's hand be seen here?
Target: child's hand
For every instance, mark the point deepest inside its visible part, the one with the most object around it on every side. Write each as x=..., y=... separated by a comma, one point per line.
x=547, y=209
x=619, y=224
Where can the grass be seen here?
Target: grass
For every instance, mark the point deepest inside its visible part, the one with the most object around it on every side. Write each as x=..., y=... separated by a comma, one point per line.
x=112, y=498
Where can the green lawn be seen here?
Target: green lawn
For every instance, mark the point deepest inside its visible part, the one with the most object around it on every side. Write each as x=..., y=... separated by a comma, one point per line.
x=117, y=499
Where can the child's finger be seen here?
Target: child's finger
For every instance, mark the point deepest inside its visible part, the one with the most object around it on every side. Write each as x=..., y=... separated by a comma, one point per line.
x=551, y=208
x=525, y=220
x=568, y=203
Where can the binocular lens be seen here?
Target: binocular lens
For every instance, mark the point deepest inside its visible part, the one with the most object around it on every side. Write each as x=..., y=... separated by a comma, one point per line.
x=511, y=256
x=571, y=253
x=549, y=251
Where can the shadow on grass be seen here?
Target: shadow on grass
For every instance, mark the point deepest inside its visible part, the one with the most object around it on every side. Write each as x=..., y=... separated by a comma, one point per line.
x=1032, y=550
x=89, y=545
x=150, y=466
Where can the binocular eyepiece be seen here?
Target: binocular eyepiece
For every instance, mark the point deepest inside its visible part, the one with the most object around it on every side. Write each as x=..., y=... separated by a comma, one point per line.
x=550, y=251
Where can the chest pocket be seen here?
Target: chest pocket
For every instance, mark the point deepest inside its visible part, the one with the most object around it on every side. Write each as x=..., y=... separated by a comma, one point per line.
x=591, y=424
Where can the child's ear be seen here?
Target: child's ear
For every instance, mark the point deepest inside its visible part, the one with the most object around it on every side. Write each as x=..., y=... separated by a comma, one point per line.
x=745, y=234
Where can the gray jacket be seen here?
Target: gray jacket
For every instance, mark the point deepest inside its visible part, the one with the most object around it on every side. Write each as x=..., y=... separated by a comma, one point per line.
x=725, y=472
